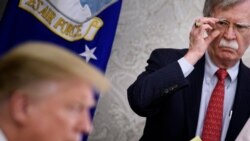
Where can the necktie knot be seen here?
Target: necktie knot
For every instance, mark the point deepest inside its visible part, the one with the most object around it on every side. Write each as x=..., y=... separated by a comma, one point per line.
x=221, y=74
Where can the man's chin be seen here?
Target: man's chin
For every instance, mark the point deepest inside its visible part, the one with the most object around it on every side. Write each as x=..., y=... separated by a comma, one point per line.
x=226, y=57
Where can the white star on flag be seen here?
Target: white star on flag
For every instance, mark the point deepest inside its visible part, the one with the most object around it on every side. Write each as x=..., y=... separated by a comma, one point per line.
x=89, y=53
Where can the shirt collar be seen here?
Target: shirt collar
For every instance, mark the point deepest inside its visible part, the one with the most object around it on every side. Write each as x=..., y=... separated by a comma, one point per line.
x=2, y=136
x=211, y=68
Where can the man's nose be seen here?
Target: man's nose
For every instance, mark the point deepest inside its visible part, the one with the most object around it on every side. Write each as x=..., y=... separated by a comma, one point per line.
x=229, y=34
x=85, y=123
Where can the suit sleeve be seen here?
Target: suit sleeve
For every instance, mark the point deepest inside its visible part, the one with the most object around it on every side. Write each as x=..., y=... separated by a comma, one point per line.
x=162, y=78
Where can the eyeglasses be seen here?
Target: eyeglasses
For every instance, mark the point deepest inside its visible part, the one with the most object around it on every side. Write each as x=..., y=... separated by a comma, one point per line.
x=241, y=28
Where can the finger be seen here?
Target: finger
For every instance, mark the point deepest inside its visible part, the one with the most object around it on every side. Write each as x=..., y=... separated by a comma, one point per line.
x=212, y=36
x=205, y=20
x=197, y=24
x=202, y=30
x=205, y=27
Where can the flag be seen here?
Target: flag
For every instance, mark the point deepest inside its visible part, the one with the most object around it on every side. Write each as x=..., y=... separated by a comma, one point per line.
x=86, y=27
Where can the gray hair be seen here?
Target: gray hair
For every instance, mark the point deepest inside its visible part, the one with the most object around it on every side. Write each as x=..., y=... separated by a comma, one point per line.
x=210, y=5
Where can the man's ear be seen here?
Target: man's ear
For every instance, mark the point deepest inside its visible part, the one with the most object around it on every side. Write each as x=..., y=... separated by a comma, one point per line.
x=18, y=105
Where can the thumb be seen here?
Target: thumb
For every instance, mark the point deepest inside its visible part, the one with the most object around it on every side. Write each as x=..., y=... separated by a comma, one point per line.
x=212, y=36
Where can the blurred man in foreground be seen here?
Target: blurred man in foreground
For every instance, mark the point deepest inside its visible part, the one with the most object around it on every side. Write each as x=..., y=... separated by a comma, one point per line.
x=46, y=94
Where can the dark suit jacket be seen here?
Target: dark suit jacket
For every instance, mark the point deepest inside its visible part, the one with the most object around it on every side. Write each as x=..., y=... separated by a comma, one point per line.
x=171, y=102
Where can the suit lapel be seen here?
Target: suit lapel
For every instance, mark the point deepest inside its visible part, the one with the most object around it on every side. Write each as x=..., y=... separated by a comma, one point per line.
x=241, y=105
x=192, y=96
x=241, y=110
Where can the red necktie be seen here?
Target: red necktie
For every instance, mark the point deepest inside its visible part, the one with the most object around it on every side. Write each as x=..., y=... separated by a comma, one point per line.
x=212, y=126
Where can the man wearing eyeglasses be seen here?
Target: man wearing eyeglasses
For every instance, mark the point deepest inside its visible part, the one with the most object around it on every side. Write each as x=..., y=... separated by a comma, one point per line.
x=203, y=90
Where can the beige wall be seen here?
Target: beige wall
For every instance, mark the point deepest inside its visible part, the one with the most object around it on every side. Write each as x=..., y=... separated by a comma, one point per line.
x=144, y=25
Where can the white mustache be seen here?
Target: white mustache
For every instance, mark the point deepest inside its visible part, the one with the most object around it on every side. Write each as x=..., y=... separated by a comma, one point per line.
x=231, y=44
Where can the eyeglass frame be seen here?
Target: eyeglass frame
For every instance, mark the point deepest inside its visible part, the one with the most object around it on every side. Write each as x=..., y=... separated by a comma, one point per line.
x=241, y=28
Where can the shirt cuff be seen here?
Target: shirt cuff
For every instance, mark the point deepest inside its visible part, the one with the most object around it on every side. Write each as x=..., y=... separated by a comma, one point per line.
x=186, y=67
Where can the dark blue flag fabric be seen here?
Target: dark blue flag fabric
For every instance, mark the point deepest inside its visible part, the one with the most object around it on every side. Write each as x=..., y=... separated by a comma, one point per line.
x=86, y=27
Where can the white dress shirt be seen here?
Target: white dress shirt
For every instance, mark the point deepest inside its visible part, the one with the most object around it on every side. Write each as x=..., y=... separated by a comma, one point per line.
x=245, y=132
x=2, y=136
x=209, y=83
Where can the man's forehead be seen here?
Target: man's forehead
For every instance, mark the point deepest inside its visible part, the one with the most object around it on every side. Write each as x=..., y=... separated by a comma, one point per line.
x=236, y=13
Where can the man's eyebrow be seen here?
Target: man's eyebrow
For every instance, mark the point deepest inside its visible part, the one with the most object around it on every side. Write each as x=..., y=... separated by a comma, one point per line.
x=223, y=20
x=243, y=24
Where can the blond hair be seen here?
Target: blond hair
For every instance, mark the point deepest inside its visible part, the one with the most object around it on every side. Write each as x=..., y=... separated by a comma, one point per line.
x=33, y=62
